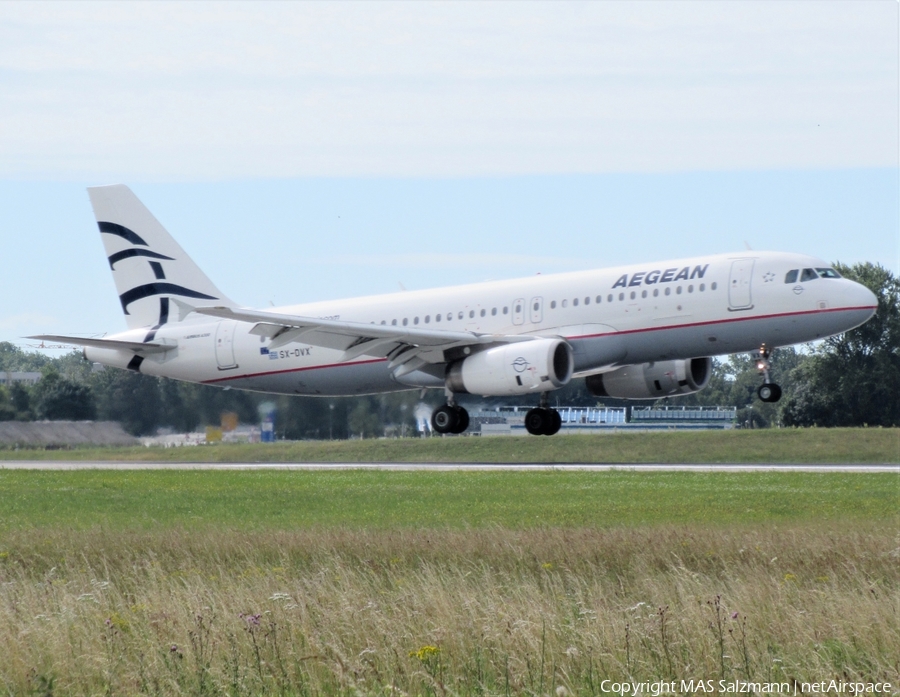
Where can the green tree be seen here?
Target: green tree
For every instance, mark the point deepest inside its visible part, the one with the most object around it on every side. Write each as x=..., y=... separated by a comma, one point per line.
x=7, y=410
x=853, y=378
x=363, y=420
x=13, y=358
x=20, y=396
x=59, y=398
x=130, y=398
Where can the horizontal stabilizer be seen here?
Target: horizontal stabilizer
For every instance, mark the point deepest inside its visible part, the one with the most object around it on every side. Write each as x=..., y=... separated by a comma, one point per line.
x=135, y=346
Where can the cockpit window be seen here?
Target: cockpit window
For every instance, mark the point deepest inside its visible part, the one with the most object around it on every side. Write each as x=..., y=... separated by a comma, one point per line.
x=791, y=276
x=828, y=273
x=808, y=275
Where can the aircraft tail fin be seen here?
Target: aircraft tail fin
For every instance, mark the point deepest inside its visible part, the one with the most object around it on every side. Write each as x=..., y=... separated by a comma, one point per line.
x=149, y=267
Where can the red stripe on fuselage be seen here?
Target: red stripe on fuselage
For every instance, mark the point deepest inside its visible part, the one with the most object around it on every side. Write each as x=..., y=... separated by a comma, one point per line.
x=585, y=336
x=294, y=370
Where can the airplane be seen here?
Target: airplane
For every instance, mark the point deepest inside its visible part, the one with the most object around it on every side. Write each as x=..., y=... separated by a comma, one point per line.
x=645, y=331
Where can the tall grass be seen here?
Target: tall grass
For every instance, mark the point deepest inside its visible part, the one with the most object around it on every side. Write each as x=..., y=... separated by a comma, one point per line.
x=483, y=611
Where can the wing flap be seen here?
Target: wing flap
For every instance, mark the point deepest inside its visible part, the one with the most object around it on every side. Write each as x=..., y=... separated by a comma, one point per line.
x=354, y=338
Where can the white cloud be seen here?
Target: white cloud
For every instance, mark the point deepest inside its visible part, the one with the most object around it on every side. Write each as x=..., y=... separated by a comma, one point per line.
x=177, y=91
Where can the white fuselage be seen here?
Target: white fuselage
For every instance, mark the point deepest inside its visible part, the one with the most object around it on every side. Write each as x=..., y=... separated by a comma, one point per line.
x=611, y=317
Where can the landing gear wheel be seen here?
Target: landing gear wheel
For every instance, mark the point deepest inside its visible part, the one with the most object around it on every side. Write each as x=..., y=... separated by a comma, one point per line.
x=536, y=421
x=462, y=420
x=555, y=423
x=542, y=421
x=769, y=392
x=444, y=419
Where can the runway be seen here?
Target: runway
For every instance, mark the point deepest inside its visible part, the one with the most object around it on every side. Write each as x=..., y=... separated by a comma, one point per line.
x=64, y=465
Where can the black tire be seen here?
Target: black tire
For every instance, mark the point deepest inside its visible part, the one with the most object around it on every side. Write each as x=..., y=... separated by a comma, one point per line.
x=444, y=419
x=462, y=420
x=769, y=392
x=554, y=423
x=536, y=421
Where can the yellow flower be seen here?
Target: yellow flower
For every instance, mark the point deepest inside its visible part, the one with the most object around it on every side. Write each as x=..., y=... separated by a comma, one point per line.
x=790, y=577
x=547, y=566
x=424, y=653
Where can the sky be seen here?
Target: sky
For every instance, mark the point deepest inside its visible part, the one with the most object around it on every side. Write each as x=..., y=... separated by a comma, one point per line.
x=306, y=151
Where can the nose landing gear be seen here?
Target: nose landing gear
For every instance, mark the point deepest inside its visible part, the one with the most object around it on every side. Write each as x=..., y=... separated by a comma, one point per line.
x=543, y=421
x=768, y=391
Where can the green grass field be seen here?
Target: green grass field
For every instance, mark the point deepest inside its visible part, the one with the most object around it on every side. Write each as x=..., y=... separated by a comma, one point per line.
x=287, y=500
x=181, y=582
x=838, y=445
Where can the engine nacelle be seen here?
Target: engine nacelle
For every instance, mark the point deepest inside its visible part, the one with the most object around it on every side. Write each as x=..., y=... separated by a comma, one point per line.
x=528, y=366
x=653, y=380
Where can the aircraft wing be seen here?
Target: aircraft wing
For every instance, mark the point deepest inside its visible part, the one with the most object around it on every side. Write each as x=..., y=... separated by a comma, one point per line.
x=356, y=338
x=135, y=346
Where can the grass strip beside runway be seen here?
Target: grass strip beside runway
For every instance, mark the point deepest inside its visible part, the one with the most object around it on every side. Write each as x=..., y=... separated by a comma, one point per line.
x=826, y=445
x=250, y=500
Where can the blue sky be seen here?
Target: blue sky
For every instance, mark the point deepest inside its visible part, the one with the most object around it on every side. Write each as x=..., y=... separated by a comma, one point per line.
x=304, y=151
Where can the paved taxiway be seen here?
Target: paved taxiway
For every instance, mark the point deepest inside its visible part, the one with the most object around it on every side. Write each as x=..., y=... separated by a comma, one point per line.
x=442, y=467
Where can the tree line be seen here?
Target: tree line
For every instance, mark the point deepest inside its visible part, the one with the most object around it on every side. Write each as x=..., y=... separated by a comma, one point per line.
x=848, y=380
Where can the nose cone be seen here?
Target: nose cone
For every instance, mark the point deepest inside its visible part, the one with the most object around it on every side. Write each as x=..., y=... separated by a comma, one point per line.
x=867, y=297
x=863, y=299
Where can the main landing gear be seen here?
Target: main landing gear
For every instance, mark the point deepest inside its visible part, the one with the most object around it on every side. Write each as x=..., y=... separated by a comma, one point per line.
x=543, y=421
x=450, y=418
x=768, y=391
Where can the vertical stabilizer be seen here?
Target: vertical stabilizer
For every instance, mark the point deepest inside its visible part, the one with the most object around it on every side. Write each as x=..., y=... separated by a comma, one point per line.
x=149, y=267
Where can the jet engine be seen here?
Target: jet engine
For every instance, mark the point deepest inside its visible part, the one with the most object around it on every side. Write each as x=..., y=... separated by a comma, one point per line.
x=653, y=380
x=521, y=368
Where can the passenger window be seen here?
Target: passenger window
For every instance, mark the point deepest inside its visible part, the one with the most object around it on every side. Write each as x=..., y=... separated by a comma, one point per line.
x=437, y=318
x=471, y=314
x=587, y=301
x=643, y=293
x=690, y=289
x=416, y=320
x=632, y=295
x=791, y=276
x=702, y=287
x=713, y=285
x=808, y=275
x=505, y=310
x=668, y=291
x=494, y=312
x=552, y=304
x=575, y=302
x=599, y=298
x=678, y=290
x=621, y=296
x=405, y=321
x=609, y=298
x=393, y=323
x=565, y=303
x=383, y=322
x=656, y=292
x=460, y=314
x=427, y=319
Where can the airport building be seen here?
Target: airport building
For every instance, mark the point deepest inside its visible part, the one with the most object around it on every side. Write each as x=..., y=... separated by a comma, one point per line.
x=511, y=420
